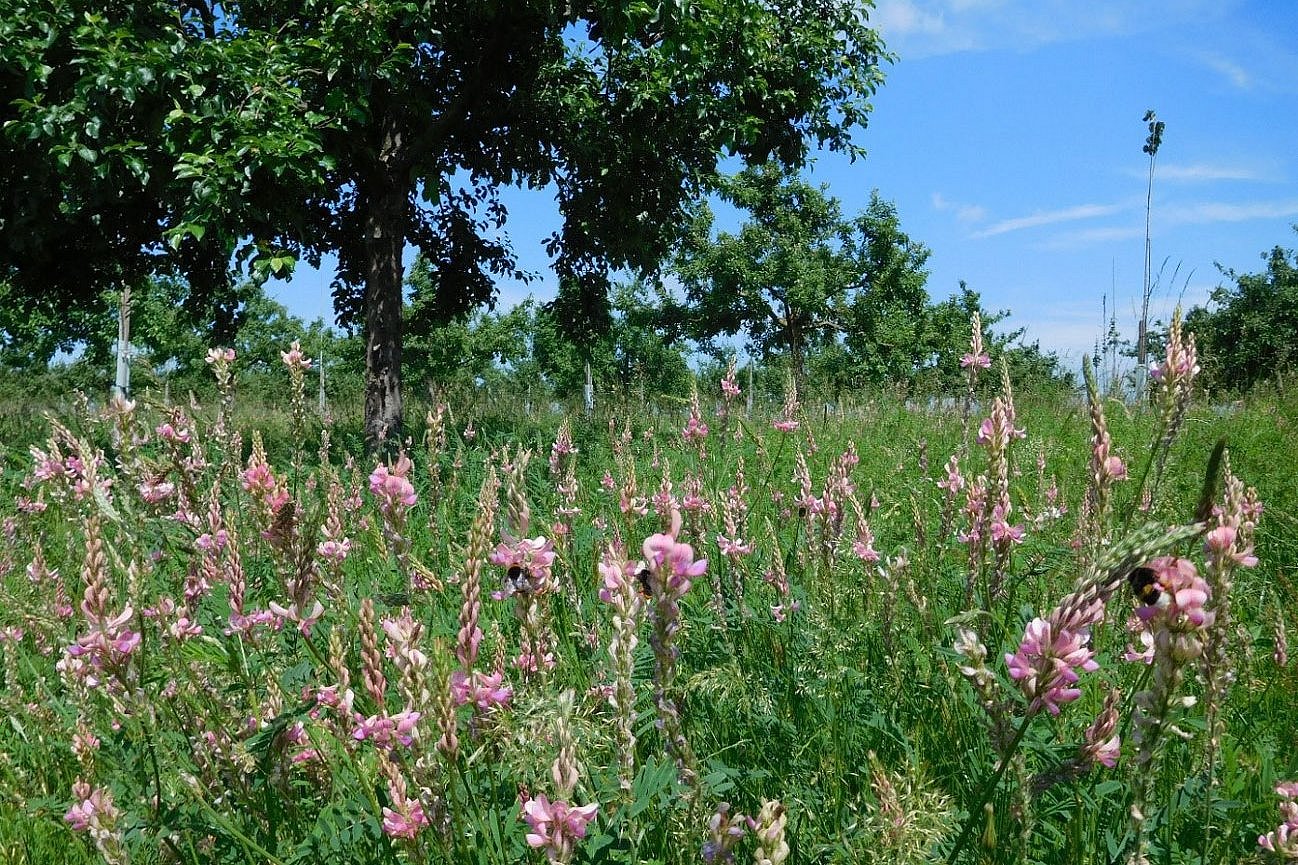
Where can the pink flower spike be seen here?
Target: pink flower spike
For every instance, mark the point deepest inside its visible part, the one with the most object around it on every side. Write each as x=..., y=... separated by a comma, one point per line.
x=555, y=825
x=294, y=358
x=405, y=823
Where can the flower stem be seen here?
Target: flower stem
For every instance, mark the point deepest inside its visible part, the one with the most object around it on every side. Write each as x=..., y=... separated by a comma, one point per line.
x=988, y=788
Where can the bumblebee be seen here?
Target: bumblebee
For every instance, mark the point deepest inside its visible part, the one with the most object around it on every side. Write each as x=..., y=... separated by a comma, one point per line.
x=518, y=581
x=646, y=587
x=1144, y=585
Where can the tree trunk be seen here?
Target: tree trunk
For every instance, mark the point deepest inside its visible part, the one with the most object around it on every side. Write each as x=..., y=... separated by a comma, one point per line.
x=384, y=241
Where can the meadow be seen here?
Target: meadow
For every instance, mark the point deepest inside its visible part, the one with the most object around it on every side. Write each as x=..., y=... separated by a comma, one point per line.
x=1009, y=629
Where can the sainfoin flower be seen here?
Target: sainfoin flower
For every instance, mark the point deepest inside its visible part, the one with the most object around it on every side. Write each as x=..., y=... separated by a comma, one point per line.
x=391, y=486
x=555, y=826
x=387, y=730
x=1283, y=840
x=532, y=556
x=1053, y=651
x=1101, y=742
x=94, y=812
x=406, y=822
x=485, y=691
x=672, y=561
x=1182, y=595
x=295, y=358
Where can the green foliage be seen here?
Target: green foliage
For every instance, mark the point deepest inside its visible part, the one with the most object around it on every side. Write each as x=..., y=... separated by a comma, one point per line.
x=1252, y=333
x=138, y=141
x=853, y=711
x=798, y=275
x=150, y=138
x=632, y=355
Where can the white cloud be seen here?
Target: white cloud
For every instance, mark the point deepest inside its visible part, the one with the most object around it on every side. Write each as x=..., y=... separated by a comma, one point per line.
x=1202, y=171
x=1235, y=74
x=1050, y=217
x=1088, y=236
x=924, y=28
x=1219, y=211
x=903, y=17
x=964, y=213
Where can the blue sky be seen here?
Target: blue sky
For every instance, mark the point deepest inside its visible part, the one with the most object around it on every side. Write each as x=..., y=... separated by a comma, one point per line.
x=1009, y=135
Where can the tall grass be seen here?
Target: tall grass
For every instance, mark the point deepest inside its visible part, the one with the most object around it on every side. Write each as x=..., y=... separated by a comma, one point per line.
x=229, y=639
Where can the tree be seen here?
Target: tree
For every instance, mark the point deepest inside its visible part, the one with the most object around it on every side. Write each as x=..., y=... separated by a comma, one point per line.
x=137, y=144
x=798, y=275
x=634, y=354
x=1252, y=333
x=395, y=122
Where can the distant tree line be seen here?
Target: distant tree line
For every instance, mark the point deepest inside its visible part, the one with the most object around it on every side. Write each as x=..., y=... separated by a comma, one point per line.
x=800, y=289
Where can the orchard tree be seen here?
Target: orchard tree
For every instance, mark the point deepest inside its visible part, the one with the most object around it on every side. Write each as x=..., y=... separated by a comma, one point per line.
x=634, y=353
x=1250, y=331
x=357, y=128
x=137, y=141
x=799, y=276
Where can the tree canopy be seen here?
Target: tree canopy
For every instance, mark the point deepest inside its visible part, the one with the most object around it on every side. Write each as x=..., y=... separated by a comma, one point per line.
x=799, y=276
x=1249, y=332
x=163, y=136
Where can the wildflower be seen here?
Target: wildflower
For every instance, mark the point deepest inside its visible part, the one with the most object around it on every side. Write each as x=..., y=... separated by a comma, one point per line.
x=1283, y=840
x=219, y=355
x=406, y=816
x=620, y=591
x=169, y=433
x=259, y=480
x=391, y=485
x=954, y=481
x=1181, y=598
x=562, y=449
x=724, y=831
x=772, y=849
x=788, y=421
x=1050, y=656
x=981, y=361
x=695, y=429
x=334, y=551
x=780, y=612
x=156, y=491
x=387, y=730
x=534, y=559
x=1281, y=652
x=673, y=560
x=555, y=826
x=95, y=812
x=294, y=358
x=405, y=822
x=485, y=691
x=1101, y=743
x=305, y=615
x=1002, y=531
x=672, y=569
x=729, y=389
x=1221, y=543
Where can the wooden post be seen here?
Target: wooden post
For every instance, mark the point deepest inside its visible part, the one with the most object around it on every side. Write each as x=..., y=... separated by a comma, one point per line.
x=122, y=381
x=590, y=391
x=321, y=396
x=748, y=406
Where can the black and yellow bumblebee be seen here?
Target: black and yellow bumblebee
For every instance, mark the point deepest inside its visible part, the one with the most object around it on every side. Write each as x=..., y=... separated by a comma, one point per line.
x=1144, y=585
x=518, y=581
x=646, y=586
